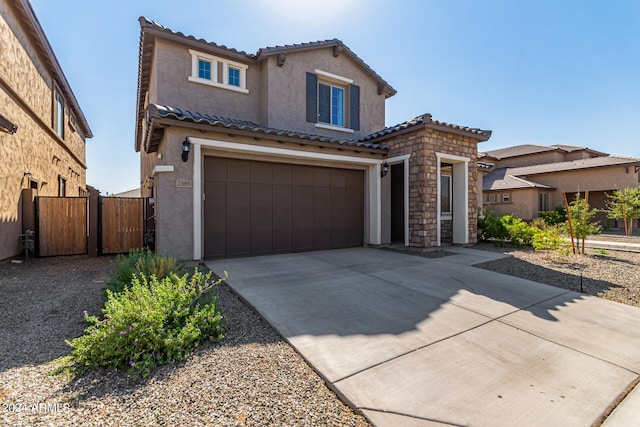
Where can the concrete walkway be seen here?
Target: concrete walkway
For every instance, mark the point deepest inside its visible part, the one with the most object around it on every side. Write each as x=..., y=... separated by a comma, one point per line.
x=411, y=341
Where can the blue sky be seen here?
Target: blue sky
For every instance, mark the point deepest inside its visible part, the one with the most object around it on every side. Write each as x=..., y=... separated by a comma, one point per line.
x=534, y=72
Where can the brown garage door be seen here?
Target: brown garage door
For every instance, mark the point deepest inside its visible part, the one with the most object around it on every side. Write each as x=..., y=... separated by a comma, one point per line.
x=254, y=208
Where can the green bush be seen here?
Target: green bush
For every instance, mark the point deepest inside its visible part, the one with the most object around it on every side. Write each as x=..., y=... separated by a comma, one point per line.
x=149, y=323
x=520, y=233
x=491, y=228
x=141, y=261
x=556, y=216
x=551, y=238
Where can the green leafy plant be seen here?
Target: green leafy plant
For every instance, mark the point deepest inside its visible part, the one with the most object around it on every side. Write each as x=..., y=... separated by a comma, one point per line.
x=151, y=322
x=581, y=221
x=624, y=204
x=491, y=228
x=520, y=233
x=141, y=261
x=551, y=238
x=556, y=216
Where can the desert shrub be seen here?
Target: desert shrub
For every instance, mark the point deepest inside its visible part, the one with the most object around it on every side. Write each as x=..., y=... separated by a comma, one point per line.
x=551, y=238
x=520, y=233
x=141, y=261
x=556, y=216
x=491, y=228
x=149, y=323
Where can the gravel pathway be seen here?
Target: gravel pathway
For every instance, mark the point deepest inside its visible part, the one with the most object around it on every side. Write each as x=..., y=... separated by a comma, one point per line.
x=252, y=378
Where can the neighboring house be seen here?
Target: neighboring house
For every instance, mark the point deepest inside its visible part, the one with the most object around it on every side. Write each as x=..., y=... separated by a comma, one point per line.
x=527, y=179
x=135, y=193
x=42, y=128
x=285, y=150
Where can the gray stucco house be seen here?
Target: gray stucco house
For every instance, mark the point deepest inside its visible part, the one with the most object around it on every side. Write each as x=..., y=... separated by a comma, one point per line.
x=286, y=150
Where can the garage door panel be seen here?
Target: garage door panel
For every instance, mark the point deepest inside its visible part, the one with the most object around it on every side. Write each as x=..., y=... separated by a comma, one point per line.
x=239, y=170
x=254, y=207
x=216, y=169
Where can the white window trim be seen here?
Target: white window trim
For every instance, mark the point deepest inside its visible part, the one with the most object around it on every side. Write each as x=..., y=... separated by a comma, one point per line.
x=448, y=215
x=334, y=127
x=333, y=77
x=226, y=63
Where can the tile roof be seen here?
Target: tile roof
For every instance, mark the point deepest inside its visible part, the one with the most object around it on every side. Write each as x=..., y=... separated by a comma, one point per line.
x=426, y=121
x=267, y=51
x=148, y=23
x=592, y=162
x=525, y=149
x=502, y=179
x=512, y=178
x=518, y=150
x=163, y=111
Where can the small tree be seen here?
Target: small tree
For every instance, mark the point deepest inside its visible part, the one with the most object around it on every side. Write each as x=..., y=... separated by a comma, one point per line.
x=580, y=218
x=624, y=204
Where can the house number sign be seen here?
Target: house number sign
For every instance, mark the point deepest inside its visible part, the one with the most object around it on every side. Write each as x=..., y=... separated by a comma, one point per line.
x=183, y=183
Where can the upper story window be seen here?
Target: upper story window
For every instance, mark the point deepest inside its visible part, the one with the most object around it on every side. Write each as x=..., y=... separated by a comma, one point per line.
x=62, y=187
x=219, y=72
x=330, y=104
x=333, y=102
x=234, y=76
x=204, y=69
x=58, y=114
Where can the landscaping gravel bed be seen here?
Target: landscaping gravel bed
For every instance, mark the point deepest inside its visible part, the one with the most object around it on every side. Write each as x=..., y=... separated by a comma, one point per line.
x=251, y=378
x=610, y=274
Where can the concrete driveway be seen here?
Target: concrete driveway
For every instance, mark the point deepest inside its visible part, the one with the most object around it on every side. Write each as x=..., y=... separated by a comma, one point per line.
x=411, y=341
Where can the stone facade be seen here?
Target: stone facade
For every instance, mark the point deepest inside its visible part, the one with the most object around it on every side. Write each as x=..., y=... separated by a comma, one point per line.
x=34, y=157
x=422, y=144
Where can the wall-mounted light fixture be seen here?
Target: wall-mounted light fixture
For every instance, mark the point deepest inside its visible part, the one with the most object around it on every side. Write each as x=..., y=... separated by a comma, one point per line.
x=384, y=170
x=186, y=146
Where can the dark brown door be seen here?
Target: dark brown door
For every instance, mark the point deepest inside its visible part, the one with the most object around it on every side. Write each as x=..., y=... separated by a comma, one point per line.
x=254, y=208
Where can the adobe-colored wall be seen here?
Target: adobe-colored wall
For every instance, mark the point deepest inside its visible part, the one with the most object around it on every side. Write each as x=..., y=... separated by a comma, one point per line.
x=172, y=65
x=524, y=204
x=287, y=92
x=423, y=144
x=593, y=179
x=34, y=147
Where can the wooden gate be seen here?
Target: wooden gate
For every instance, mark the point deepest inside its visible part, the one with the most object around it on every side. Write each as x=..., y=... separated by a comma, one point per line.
x=61, y=225
x=121, y=224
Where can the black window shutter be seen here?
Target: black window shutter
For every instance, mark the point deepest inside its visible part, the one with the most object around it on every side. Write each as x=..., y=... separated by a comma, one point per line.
x=312, y=98
x=354, y=106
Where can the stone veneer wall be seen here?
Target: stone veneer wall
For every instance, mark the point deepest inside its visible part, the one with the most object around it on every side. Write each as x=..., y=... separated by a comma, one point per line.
x=423, y=144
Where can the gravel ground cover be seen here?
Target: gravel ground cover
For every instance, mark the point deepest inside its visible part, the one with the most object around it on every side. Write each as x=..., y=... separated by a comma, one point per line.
x=610, y=274
x=252, y=378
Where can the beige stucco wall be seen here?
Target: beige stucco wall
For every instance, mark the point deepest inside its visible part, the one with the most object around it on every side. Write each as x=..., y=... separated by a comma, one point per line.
x=287, y=92
x=524, y=203
x=593, y=179
x=26, y=99
x=277, y=95
x=172, y=66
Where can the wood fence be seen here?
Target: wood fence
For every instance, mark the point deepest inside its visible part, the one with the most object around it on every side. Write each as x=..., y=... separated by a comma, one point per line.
x=94, y=225
x=122, y=224
x=62, y=225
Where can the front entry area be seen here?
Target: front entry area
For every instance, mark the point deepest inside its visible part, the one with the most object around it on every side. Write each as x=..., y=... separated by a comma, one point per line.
x=255, y=207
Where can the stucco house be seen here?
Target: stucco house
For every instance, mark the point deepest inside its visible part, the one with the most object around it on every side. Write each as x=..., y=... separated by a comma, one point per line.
x=527, y=179
x=42, y=128
x=286, y=150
